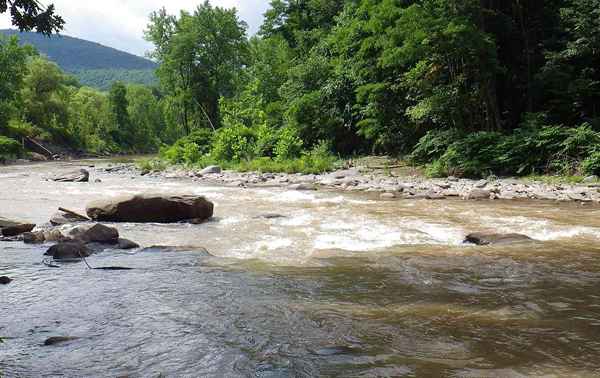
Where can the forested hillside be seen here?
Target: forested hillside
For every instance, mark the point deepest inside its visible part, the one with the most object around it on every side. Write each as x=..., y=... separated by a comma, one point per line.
x=93, y=64
x=467, y=87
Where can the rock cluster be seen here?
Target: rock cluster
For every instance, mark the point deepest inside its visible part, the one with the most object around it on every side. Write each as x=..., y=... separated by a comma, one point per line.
x=389, y=187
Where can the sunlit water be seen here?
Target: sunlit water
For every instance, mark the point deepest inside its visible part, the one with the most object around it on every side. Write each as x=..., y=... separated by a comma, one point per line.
x=341, y=285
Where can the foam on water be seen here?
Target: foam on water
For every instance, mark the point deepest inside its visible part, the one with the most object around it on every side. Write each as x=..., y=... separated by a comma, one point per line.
x=540, y=229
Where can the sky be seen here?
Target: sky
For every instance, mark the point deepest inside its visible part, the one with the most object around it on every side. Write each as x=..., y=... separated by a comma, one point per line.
x=121, y=23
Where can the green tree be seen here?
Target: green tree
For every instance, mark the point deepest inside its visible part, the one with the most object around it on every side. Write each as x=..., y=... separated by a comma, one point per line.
x=201, y=56
x=122, y=131
x=146, y=118
x=29, y=15
x=13, y=68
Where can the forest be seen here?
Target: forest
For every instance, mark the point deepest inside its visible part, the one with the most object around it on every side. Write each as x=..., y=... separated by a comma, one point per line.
x=461, y=87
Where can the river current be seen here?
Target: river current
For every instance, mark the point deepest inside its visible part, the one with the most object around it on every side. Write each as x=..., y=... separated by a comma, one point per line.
x=341, y=285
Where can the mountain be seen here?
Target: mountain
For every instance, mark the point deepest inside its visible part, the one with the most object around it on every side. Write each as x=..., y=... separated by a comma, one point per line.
x=92, y=63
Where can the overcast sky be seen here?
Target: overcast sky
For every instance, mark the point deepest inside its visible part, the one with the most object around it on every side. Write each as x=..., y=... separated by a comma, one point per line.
x=121, y=23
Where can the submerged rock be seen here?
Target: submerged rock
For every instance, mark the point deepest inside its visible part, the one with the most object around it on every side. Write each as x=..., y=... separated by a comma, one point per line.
x=127, y=244
x=17, y=229
x=5, y=280
x=68, y=251
x=480, y=238
x=269, y=216
x=79, y=176
x=146, y=208
x=59, y=339
x=303, y=187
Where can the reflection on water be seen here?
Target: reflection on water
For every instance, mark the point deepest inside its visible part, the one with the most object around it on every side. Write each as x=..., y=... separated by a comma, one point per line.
x=341, y=285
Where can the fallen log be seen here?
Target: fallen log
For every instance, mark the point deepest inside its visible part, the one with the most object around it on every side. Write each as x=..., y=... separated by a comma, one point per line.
x=70, y=212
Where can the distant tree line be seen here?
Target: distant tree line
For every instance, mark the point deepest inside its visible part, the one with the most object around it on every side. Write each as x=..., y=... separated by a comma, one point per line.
x=38, y=100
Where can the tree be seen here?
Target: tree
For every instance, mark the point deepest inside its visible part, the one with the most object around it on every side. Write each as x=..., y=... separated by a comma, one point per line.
x=29, y=15
x=201, y=57
x=13, y=68
x=122, y=131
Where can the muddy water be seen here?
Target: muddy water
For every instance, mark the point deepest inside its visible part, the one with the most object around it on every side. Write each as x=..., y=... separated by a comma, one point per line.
x=341, y=285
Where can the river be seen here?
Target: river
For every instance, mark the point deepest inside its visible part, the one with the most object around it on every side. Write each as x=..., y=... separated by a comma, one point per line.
x=342, y=285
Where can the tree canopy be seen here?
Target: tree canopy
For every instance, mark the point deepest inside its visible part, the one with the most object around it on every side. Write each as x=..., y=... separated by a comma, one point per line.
x=30, y=15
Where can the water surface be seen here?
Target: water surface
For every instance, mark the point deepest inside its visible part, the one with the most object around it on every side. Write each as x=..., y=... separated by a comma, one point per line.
x=340, y=285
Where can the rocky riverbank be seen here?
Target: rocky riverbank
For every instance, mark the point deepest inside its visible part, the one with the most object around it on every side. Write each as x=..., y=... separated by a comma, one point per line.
x=384, y=184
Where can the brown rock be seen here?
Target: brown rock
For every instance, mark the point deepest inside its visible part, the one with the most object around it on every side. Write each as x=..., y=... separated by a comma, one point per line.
x=145, y=208
x=480, y=238
x=17, y=230
x=68, y=251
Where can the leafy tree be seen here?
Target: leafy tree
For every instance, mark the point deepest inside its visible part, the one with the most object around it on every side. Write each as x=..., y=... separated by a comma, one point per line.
x=201, y=56
x=29, y=15
x=45, y=93
x=122, y=131
x=13, y=68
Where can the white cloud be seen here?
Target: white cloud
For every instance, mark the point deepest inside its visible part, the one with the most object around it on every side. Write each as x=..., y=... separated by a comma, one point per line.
x=120, y=24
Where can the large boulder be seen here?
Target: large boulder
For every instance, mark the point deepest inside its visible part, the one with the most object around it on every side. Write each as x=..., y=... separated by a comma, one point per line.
x=68, y=251
x=17, y=229
x=481, y=238
x=146, y=208
x=78, y=176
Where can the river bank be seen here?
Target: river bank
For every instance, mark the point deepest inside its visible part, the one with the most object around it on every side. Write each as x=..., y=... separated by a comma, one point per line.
x=384, y=183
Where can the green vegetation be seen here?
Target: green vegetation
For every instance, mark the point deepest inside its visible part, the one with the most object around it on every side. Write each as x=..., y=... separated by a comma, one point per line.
x=464, y=87
x=92, y=64
x=39, y=101
x=461, y=87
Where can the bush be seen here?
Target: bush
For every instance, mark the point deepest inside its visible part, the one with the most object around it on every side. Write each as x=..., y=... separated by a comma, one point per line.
x=433, y=145
x=472, y=156
x=591, y=165
x=289, y=144
x=9, y=148
x=234, y=143
x=189, y=149
x=266, y=140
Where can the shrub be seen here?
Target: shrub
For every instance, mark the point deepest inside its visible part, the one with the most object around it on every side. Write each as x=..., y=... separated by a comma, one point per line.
x=289, y=144
x=433, y=145
x=472, y=156
x=234, y=143
x=9, y=148
x=189, y=149
x=266, y=140
x=591, y=165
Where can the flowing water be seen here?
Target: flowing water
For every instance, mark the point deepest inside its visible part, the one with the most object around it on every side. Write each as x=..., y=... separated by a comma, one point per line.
x=342, y=285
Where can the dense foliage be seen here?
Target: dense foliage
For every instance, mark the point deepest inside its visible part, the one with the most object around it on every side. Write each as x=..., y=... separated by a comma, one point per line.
x=469, y=86
x=465, y=87
x=39, y=101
